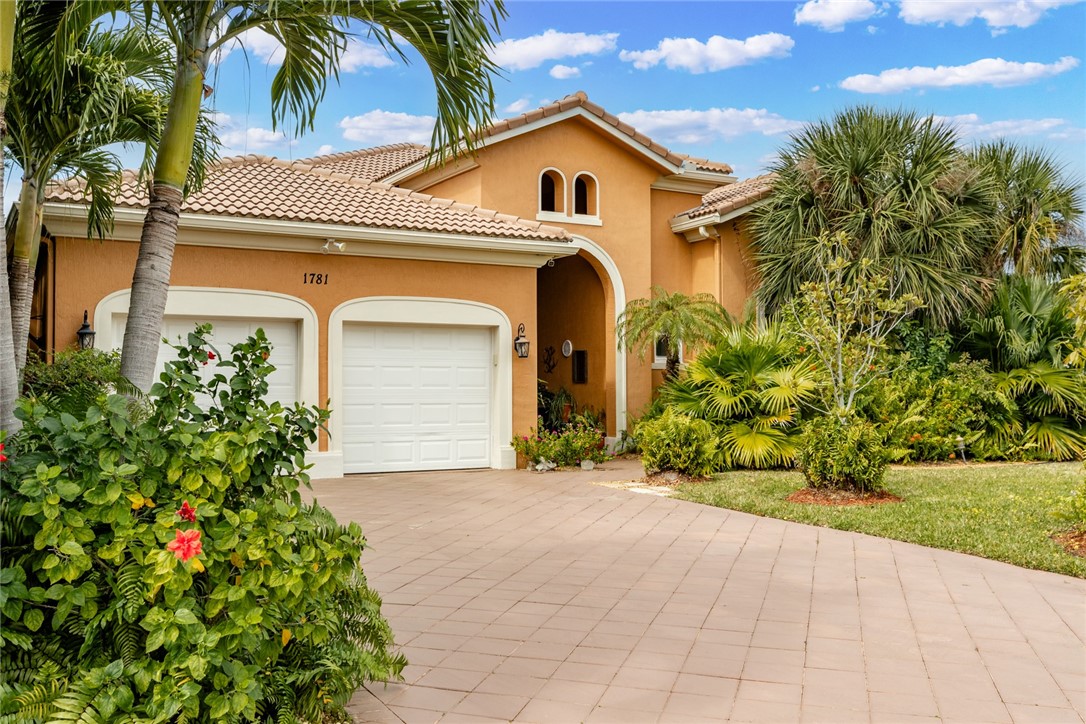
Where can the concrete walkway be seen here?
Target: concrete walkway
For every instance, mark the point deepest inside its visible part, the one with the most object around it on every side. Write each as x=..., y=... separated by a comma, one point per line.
x=542, y=597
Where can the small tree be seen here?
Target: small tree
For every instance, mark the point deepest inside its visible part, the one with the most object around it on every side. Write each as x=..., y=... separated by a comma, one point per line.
x=672, y=317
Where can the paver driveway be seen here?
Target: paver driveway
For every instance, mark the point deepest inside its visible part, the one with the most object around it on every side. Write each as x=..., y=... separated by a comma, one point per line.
x=545, y=598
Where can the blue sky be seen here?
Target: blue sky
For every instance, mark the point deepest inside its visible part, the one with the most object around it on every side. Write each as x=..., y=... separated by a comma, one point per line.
x=724, y=80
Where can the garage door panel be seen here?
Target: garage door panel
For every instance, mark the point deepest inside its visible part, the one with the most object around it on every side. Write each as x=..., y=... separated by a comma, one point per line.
x=425, y=401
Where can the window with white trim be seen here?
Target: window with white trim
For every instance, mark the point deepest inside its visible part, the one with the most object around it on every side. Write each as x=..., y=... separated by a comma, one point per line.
x=586, y=195
x=659, y=357
x=552, y=192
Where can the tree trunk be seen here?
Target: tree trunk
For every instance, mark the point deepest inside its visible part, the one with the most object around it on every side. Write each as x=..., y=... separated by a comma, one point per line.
x=672, y=370
x=8, y=386
x=23, y=260
x=150, y=286
x=151, y=280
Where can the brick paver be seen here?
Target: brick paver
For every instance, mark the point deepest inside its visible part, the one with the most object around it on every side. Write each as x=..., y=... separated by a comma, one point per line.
x=544, y=598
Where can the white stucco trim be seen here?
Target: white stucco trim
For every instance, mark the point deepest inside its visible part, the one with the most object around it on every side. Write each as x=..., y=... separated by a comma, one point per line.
x=618, y=288
x=596, y=185
x=429, y=311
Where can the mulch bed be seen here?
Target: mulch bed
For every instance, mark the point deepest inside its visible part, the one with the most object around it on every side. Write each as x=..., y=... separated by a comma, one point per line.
x=1074, y=542
x=825, y=496
x=670, y=479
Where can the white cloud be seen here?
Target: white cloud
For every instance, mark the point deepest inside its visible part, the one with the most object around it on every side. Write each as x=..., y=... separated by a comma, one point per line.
x=360, y=55
x=718, y=53
x=833, y=15
x=816, y=88
x=691, y=126
x=379, y=127
x=971, y=125
x=250, y=139
x=268, y=50
x=989, y=71
x=325, y=149
x=535, y=50
x=562, y=72
x=997, y=13
x=518, y=106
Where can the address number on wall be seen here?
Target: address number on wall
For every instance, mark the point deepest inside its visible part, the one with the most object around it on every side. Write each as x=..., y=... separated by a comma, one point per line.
x=315, y=278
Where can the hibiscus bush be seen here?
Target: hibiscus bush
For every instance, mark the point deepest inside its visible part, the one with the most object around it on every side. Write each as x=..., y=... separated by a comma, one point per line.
x=160, y=563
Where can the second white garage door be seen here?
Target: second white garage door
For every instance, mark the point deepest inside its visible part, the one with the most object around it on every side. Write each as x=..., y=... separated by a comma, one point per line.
x=416, y=397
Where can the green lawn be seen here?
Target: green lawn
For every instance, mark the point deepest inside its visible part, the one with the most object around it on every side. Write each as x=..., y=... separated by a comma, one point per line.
x=996, y=511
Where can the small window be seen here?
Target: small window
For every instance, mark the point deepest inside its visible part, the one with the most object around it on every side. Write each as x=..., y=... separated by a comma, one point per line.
x=580, y=366
x=551, y=191
x=660, y=353
x=585, y=195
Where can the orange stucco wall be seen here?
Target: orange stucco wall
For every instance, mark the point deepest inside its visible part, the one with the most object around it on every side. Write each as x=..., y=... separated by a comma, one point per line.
x=511, y=289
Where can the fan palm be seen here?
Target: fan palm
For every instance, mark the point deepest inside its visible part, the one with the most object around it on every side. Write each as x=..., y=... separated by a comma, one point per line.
x=1037, y=208
x=897, y=185
x=750, y=389
x=453, y=38
x=107, y=91
x=673, y=318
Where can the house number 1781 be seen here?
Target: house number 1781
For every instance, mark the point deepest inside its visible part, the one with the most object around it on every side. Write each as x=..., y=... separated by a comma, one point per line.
x=313, y=278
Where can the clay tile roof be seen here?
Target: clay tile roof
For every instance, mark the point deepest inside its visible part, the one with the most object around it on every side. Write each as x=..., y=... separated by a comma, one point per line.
x=580, y=98
x=730, y=197
x=370, y=164
x=267, y=188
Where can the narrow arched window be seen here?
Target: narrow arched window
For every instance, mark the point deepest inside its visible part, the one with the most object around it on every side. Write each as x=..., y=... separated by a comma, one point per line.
x=585, y=195
x=552, y=191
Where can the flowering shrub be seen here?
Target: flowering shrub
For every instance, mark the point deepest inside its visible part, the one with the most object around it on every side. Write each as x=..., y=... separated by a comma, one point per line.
x=569, y=445
x=160, y=563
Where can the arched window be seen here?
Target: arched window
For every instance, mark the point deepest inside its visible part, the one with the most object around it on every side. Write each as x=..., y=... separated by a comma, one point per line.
x=585, y=195
x=552, y=191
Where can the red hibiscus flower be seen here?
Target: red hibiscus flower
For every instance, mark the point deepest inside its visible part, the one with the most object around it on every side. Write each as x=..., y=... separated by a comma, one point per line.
x=3, y=457
x=187, y=512
x=186, y=545
x=210, y=355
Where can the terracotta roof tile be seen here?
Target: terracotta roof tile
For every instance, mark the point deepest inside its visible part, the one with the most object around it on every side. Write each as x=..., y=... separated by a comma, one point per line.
x=730, y=197
x=370, y=164
x=268, y=188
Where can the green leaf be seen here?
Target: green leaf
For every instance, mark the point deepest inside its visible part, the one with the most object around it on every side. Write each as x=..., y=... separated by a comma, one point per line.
x=33, y=618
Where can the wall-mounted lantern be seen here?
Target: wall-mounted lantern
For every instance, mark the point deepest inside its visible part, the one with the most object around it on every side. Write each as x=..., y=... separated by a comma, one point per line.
x=85, y=334
x=520, y=344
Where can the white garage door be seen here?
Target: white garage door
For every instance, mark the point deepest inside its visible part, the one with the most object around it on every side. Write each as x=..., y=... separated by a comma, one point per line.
x=283, y=336
x=415, y=398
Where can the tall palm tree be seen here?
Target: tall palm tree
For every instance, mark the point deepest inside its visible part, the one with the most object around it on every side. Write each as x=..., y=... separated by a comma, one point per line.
x=1037, y=207
x=8, y=376
x=673, y=318
x=60, y=121
x=453, y=37
x=903, y=192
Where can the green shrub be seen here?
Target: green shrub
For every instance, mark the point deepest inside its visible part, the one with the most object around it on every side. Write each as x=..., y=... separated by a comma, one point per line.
x=75, y=379
x=677, y=442
x=160, y=563
x=579, y=440
x=840, y=454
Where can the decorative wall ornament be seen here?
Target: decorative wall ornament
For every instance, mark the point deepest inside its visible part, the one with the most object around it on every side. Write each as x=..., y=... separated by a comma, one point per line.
x=549, y=362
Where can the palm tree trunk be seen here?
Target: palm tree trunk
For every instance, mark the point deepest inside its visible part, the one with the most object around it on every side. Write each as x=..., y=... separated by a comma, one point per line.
x=23, y=259
x=9, y=389
x=151, y=279
x=672, y=370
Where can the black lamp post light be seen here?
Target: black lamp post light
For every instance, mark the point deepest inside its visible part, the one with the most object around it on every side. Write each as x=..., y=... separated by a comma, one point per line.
x=520, y=344
x=85, y=334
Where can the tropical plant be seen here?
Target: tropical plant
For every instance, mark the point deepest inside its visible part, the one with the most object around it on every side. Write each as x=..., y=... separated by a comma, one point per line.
x=567, y=445
x=906, y=197
x=1074, y=288
x=673, y=318
x=844, y=454
x=674, y=441
x=1036, y=209
x=453, y=38
x=750, y=387
x=160, y=563
x=9, y=385
x=107, y=90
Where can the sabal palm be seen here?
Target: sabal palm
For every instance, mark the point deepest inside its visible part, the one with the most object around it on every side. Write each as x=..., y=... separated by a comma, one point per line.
x=675, y=318
x=902, y=191
x=1036, y=207
x=453, y=38
x=106, y=90
x=751, y=391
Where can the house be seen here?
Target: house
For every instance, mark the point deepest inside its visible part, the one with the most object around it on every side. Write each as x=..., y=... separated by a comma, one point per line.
x=393, y=290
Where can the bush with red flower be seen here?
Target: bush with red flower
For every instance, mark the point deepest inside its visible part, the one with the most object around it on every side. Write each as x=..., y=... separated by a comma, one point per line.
x=160, y=562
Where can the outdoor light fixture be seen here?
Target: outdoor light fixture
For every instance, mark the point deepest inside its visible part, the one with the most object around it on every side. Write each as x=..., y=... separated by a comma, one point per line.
x=331, y=244
x=85, y=334
x=520, y=344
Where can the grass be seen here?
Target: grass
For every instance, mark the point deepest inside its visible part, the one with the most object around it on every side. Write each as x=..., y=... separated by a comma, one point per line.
x=1002, y=512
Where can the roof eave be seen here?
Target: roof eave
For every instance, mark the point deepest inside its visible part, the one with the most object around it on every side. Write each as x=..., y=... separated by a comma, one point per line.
x=700, y=225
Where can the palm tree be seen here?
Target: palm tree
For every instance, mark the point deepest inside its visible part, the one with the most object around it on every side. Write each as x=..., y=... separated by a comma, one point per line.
x=1037, y=208
x=9, y=387
x=901, y=190
x=452, y=37
x=673, y=318
x=107, y=91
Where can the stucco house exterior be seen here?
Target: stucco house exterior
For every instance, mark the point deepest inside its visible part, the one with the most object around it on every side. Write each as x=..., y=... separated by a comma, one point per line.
x=393, y=290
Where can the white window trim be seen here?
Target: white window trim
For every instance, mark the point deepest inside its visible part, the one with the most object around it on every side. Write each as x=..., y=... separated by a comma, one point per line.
x=559, y=194
x=659, y=362
x=596, y=184
x=428, y=311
